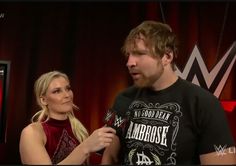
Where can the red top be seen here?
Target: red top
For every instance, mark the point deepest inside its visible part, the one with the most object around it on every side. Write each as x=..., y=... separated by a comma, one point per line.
x=60, y=139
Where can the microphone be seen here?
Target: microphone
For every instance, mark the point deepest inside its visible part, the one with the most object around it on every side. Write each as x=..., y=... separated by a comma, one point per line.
x=117, y=117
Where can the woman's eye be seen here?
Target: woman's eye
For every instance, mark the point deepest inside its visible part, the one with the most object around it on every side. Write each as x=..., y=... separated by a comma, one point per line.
x=68, y=88
x=56, y=91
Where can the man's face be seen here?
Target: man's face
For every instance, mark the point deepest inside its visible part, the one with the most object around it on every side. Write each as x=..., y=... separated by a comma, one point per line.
x=144, y=68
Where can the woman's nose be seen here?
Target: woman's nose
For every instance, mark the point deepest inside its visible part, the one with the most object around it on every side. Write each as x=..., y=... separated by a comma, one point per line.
x=66, y=93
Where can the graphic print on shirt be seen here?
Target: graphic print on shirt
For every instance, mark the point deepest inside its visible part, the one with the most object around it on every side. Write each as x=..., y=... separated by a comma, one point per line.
x=65, y=146
x=151, y=133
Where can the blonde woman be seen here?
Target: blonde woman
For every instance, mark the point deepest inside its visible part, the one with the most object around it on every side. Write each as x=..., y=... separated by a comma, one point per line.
x=55, y=135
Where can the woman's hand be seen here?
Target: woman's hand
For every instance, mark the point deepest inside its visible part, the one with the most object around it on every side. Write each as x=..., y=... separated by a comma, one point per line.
x=99, y=139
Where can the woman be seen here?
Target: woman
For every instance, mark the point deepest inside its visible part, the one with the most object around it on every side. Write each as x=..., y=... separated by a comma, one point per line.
x=55, y=136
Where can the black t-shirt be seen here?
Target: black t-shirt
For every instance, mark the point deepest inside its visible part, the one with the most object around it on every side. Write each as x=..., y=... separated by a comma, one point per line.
x=170, y=126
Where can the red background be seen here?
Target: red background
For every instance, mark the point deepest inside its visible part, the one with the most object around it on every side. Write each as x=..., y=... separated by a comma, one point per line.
x=84, y=39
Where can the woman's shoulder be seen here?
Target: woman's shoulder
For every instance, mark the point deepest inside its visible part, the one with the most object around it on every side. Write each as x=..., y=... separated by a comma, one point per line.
x=33, y=130
x=31, y=139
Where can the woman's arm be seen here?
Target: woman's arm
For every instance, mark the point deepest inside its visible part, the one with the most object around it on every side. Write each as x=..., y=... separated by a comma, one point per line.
x=98, y=140
x=33, y=139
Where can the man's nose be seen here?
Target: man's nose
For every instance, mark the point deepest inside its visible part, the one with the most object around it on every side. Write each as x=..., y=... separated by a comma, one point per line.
x=131, y=62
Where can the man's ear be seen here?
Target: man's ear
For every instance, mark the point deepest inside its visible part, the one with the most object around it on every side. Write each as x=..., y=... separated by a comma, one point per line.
x=43, y=100
x=167, y=58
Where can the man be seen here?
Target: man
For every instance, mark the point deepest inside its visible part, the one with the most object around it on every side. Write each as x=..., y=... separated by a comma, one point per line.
x=169, y=120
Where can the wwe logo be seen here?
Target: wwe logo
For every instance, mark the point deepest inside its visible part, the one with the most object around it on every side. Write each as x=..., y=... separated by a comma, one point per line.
x=118, y=121
x=112, y=119
x=196, y=71
x=2, y=15
x=109, y=117
x=223, y=150
x=220, y=150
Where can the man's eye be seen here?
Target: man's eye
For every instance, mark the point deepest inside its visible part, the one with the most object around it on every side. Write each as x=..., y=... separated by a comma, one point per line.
x=140, y=53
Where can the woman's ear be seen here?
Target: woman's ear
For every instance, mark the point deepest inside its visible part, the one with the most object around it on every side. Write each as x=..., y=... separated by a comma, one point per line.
x=43, y=100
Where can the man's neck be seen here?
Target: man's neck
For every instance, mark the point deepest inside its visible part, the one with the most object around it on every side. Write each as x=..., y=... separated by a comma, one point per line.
x=167, y=79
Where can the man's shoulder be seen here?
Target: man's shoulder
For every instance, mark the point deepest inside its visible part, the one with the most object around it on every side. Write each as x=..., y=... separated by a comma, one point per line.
x=129, y=92
x=192, y=88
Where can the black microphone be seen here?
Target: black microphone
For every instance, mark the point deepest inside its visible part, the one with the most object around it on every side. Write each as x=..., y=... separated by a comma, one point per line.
x=117, y=117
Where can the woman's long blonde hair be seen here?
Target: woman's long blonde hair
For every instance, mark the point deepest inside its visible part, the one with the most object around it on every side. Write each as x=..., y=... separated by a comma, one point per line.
x=40, y=88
